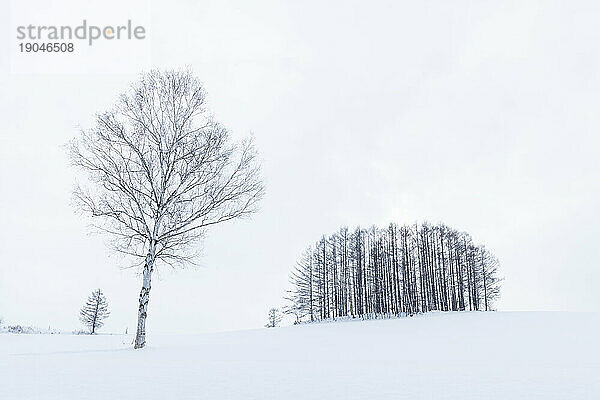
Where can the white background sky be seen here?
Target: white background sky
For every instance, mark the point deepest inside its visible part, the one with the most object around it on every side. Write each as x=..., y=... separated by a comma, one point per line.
x=483, y=115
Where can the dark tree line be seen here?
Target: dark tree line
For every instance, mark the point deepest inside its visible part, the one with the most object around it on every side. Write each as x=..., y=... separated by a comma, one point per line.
x=399, y=270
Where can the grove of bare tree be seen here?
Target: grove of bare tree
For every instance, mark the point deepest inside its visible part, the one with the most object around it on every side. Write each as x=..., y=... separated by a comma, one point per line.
x=399, y=270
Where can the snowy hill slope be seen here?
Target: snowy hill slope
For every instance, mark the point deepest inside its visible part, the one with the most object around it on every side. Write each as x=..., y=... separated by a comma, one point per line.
x=526, y=355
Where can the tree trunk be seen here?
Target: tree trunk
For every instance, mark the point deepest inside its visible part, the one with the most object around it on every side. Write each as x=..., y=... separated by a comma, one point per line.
x=140, y=336
x=94, y=322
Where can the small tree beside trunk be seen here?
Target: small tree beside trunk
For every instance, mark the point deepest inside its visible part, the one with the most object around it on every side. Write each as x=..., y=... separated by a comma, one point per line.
x=274, y=318
x=94, y=311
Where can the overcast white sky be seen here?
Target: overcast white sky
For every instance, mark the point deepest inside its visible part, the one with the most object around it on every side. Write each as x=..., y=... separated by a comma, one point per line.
x=483, y=115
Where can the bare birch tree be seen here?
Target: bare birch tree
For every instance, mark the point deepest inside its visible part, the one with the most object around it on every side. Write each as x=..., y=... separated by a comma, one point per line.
x=159, y=171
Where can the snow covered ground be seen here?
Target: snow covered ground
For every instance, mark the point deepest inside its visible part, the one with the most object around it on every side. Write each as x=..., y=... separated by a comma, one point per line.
x=508, y=355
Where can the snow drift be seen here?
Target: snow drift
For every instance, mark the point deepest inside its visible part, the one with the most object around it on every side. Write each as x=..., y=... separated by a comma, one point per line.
x=526, y=355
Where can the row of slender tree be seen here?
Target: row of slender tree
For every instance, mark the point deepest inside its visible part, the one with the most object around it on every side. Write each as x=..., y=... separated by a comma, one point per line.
x=399, y=270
